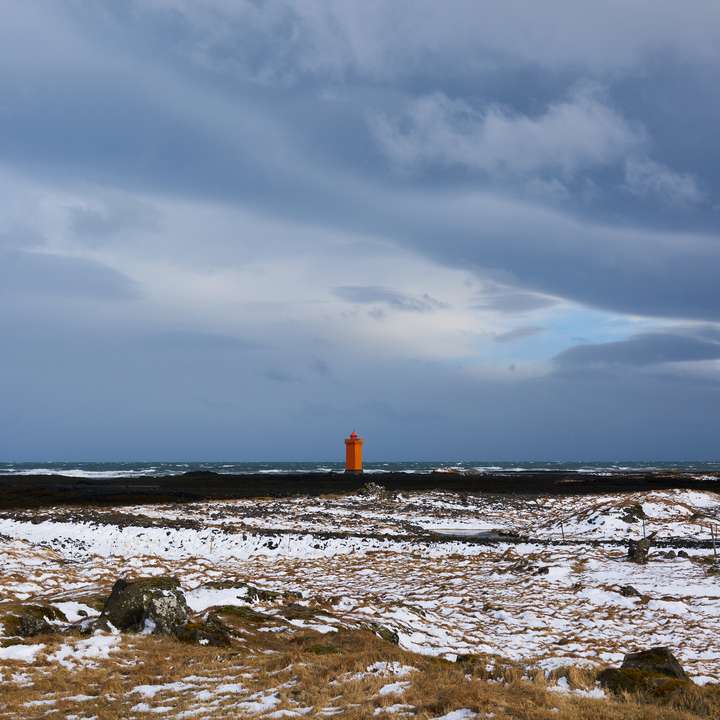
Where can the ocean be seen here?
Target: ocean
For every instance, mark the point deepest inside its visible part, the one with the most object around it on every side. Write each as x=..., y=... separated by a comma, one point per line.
x=137, y=469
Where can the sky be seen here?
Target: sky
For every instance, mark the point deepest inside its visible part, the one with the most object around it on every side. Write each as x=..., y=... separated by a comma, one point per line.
x=238, y=230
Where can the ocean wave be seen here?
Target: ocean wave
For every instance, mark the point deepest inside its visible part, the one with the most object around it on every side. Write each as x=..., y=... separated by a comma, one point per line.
x=80, y=473
x=99, y=471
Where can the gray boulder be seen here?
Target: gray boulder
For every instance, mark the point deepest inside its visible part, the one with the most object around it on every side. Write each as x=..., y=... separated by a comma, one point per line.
x=654, y=674
x=655, y=660
x=151, y=604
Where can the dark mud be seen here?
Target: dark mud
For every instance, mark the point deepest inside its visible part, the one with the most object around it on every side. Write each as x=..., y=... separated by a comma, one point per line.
x=35, y=491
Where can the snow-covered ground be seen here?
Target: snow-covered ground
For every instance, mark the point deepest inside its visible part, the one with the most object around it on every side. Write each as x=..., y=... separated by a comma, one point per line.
x=368, y=559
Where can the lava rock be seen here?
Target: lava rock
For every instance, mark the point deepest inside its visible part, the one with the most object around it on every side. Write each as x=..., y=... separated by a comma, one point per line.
x=252, y=592
x=207, y=633
x=655, y=674
x=384, y=633
x=152, y=604
x=374, y=490
x=638, y=550
x=26, y=620
x=657, y=660
x=240, y=615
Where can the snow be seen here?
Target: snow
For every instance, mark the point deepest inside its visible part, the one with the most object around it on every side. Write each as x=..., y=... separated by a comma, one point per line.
x=202, y=598
x=84, y=652
x=259, y=702
x=230, y=688
x=289, y=713
x=150, y=691
x=73, y=611
x=442, y=596
x=563, y=686
x=396, y=709
x=463, y=714
x=394, y=667
x=317, y=627
x=24, y=653
x=396, y=688
x=144, y=707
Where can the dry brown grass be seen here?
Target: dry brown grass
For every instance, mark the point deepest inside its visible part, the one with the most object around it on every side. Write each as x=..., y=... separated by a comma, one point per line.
x=312, y=670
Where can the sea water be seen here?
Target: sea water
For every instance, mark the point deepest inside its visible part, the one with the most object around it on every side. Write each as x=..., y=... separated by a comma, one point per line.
x=138, y=469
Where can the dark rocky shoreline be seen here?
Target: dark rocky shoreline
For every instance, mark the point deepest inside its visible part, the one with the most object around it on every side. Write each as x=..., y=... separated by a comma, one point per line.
x=35, y=491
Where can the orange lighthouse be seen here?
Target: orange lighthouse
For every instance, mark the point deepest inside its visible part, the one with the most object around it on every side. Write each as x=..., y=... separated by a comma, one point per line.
x=353, y=453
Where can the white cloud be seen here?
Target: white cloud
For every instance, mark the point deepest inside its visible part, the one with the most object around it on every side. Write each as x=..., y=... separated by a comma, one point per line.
x=647, y=178
x=579, y=132
x=281, y=40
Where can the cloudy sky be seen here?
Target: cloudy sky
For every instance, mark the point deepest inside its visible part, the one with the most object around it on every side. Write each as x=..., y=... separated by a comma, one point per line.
x=233, y=229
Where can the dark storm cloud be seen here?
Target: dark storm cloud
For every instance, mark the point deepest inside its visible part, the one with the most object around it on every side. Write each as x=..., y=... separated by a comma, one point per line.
x=20, y=238
x=639, y=350
x=365, y=295
x=320, y=367
x=518, y=333
x=31, y=274
x=198, y=341
x=566, y=150
x=234, y=140
x=281, y=376
x=509, y=300
x=87, y=398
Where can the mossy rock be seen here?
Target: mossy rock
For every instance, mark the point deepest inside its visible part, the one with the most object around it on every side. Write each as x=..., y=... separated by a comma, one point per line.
x=298, y=612
x=199, y=633
x=343, y=641
x=239, y=612
x=96, y=602
x=655, y=660
x=26, y=620
x=384, y=633
x=253, y=592
x=656, y=688
x=154, y=602
x=634, y=681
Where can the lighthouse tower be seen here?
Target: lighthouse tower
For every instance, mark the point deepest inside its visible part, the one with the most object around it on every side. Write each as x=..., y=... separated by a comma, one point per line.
x=353, y=453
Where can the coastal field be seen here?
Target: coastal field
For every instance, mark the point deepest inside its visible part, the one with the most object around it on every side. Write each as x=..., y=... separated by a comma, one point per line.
x=366, y=604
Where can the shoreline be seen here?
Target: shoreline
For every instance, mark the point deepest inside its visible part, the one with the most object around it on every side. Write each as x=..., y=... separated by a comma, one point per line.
x=37, y=491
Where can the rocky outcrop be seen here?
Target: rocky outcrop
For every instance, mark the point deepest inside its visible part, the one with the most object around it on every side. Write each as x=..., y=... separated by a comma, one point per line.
x=253, y=592
x=384, y=633
x=151, y=605
x=639, y=550
x=653, y=672
x=204, y=633
x=656, y=660
x=28, y=619
x=374, y=490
